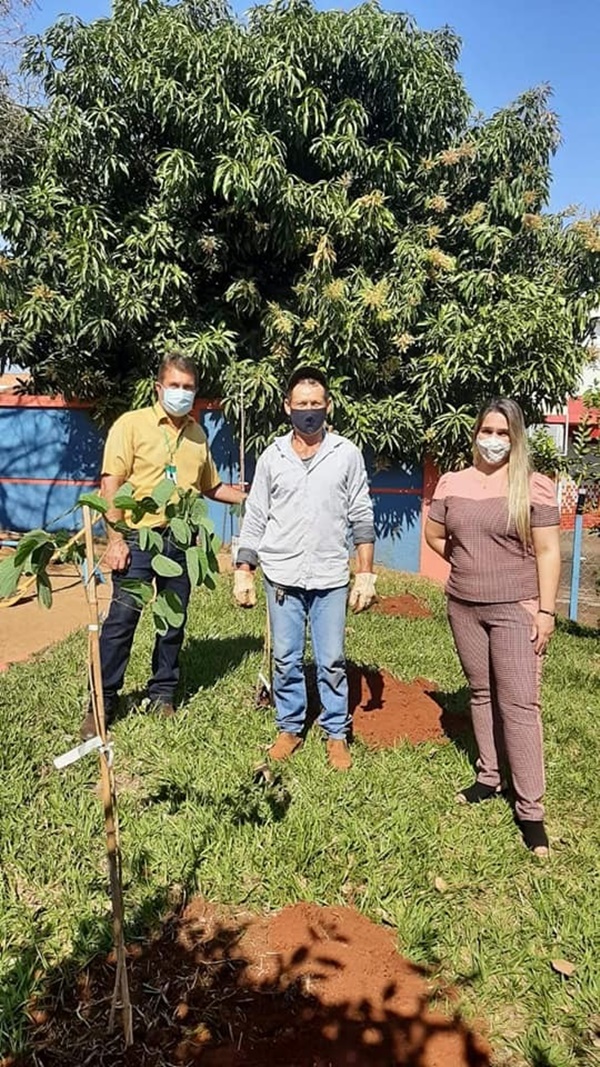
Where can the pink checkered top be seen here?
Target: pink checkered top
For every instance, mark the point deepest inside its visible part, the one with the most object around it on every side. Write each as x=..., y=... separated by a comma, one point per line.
x=488, y=562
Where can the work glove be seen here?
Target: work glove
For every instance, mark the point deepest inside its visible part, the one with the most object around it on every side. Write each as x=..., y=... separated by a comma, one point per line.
x=244, y=592
x=362, y=593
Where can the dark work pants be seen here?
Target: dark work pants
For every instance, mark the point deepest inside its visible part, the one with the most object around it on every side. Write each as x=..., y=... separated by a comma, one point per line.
x=119, y=627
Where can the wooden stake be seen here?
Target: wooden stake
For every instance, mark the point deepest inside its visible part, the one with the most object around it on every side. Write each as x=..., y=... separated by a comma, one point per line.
x=108, y=792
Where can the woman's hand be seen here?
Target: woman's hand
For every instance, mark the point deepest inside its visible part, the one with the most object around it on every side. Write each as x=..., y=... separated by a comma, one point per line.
x=541, y=631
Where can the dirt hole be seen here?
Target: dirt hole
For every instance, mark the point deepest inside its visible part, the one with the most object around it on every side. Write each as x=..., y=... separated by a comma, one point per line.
x=308, y=986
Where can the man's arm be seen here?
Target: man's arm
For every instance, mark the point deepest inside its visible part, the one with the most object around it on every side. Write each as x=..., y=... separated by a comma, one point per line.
x=361, y=519
x=360, y=513
x=364, y=557
x=255, y=517
x=225, y=494
x=117, y=555
x=253, y=528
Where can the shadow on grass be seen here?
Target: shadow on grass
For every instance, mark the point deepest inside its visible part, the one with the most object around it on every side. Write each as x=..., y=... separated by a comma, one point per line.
x=577, y=629
x=303, y=987
x=203, y=662
x=456, y=719
x=263, y=799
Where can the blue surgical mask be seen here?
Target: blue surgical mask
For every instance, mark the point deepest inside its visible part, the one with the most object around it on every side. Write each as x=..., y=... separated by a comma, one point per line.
x=308, y=420
x=177, y=401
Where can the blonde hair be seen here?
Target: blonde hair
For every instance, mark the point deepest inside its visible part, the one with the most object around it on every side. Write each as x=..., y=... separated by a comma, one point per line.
x=519, y=463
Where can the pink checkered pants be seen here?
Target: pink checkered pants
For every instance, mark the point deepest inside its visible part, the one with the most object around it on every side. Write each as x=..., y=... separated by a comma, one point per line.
x=496, y=653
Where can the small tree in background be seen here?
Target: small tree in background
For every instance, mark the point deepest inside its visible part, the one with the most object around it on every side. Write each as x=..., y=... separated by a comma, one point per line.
x=309, y=186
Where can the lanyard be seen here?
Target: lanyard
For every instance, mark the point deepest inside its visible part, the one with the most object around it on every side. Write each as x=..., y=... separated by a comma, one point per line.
x=172, y=451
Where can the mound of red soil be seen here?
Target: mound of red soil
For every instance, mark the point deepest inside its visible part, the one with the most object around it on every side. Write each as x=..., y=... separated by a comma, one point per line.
x=407, y=606
x=386, y=711
x=306, y=987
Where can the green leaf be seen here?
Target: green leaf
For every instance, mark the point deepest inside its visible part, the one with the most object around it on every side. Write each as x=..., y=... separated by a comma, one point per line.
x=149, y=505
x=44, y=589
x=181, y=531
x=203, y=564
x=142, y=592
x=215, y=544
x=160, y=623
x=155, y=540
x=163, y=492
x=213, y=562
x=199, y=510
x=41, y=556
x=193, y=565
x=209, y=581
x=9, y=576
x=168, y=606
x=125, y=502
x=93, y=501
x=165, y=567
x=150, y=540
x=29, y=543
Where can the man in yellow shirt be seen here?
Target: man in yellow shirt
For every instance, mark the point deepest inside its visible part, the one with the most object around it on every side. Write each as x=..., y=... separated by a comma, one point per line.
x=143, y=447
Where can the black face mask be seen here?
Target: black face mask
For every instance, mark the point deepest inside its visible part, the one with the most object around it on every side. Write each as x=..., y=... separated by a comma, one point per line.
x=308, y=420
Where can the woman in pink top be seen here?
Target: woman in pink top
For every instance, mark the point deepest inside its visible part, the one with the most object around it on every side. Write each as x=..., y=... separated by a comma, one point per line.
x=497, y=524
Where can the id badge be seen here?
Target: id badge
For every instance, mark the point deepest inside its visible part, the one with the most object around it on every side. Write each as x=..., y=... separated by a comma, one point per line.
x=171, y=473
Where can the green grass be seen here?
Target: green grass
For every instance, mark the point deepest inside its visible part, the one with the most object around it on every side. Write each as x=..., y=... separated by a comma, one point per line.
x=192, y=817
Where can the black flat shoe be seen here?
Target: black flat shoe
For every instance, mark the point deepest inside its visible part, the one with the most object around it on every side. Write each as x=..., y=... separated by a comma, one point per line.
x=534, y=836
x=478, y=792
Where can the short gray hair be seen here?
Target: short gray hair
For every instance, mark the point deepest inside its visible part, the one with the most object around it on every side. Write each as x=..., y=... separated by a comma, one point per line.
x=180, y=362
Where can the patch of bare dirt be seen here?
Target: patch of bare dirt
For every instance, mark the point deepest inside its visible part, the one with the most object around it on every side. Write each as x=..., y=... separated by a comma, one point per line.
x=308, y=986
x=406, y=606
x=386, y=711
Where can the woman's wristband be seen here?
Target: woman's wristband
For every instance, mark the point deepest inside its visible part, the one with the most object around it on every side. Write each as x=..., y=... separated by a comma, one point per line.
x=542, y=611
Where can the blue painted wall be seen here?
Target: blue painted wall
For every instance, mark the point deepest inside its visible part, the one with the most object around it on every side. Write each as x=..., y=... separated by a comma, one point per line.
x=52, y=445
x=64, y=445
x=397, y=498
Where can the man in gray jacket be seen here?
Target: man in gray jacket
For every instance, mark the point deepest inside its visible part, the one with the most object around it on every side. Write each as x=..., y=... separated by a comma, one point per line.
x=309, y=492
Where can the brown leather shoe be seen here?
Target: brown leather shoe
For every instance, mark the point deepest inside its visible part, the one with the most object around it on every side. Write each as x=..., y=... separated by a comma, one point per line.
x=284, y=746
x=160, y=707
x=87, y=729
x=338, y=754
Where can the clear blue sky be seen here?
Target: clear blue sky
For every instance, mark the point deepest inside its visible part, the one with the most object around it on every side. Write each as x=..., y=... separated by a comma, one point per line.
x=508, y=46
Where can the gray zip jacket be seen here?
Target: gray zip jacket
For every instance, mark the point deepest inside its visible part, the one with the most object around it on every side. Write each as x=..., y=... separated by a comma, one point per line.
x=298, y=515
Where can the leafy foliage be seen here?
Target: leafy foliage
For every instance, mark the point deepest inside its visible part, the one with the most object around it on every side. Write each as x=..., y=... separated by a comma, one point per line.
x=35, y=552
x=546, y=457
x=188, y=525
x=306, y=186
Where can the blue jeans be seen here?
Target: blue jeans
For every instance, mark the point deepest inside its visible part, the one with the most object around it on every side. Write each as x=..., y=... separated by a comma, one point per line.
x=325, y=609
x=116, y=637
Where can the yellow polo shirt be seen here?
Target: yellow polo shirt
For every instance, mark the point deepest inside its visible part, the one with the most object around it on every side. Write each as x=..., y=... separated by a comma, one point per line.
x=141, y=444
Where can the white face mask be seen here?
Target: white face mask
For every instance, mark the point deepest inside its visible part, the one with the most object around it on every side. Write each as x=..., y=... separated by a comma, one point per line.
x=493, y=449
x=177, y=401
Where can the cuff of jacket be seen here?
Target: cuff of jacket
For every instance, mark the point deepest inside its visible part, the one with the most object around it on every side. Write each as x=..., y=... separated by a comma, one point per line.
x=247, y=555
x=363, y=533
